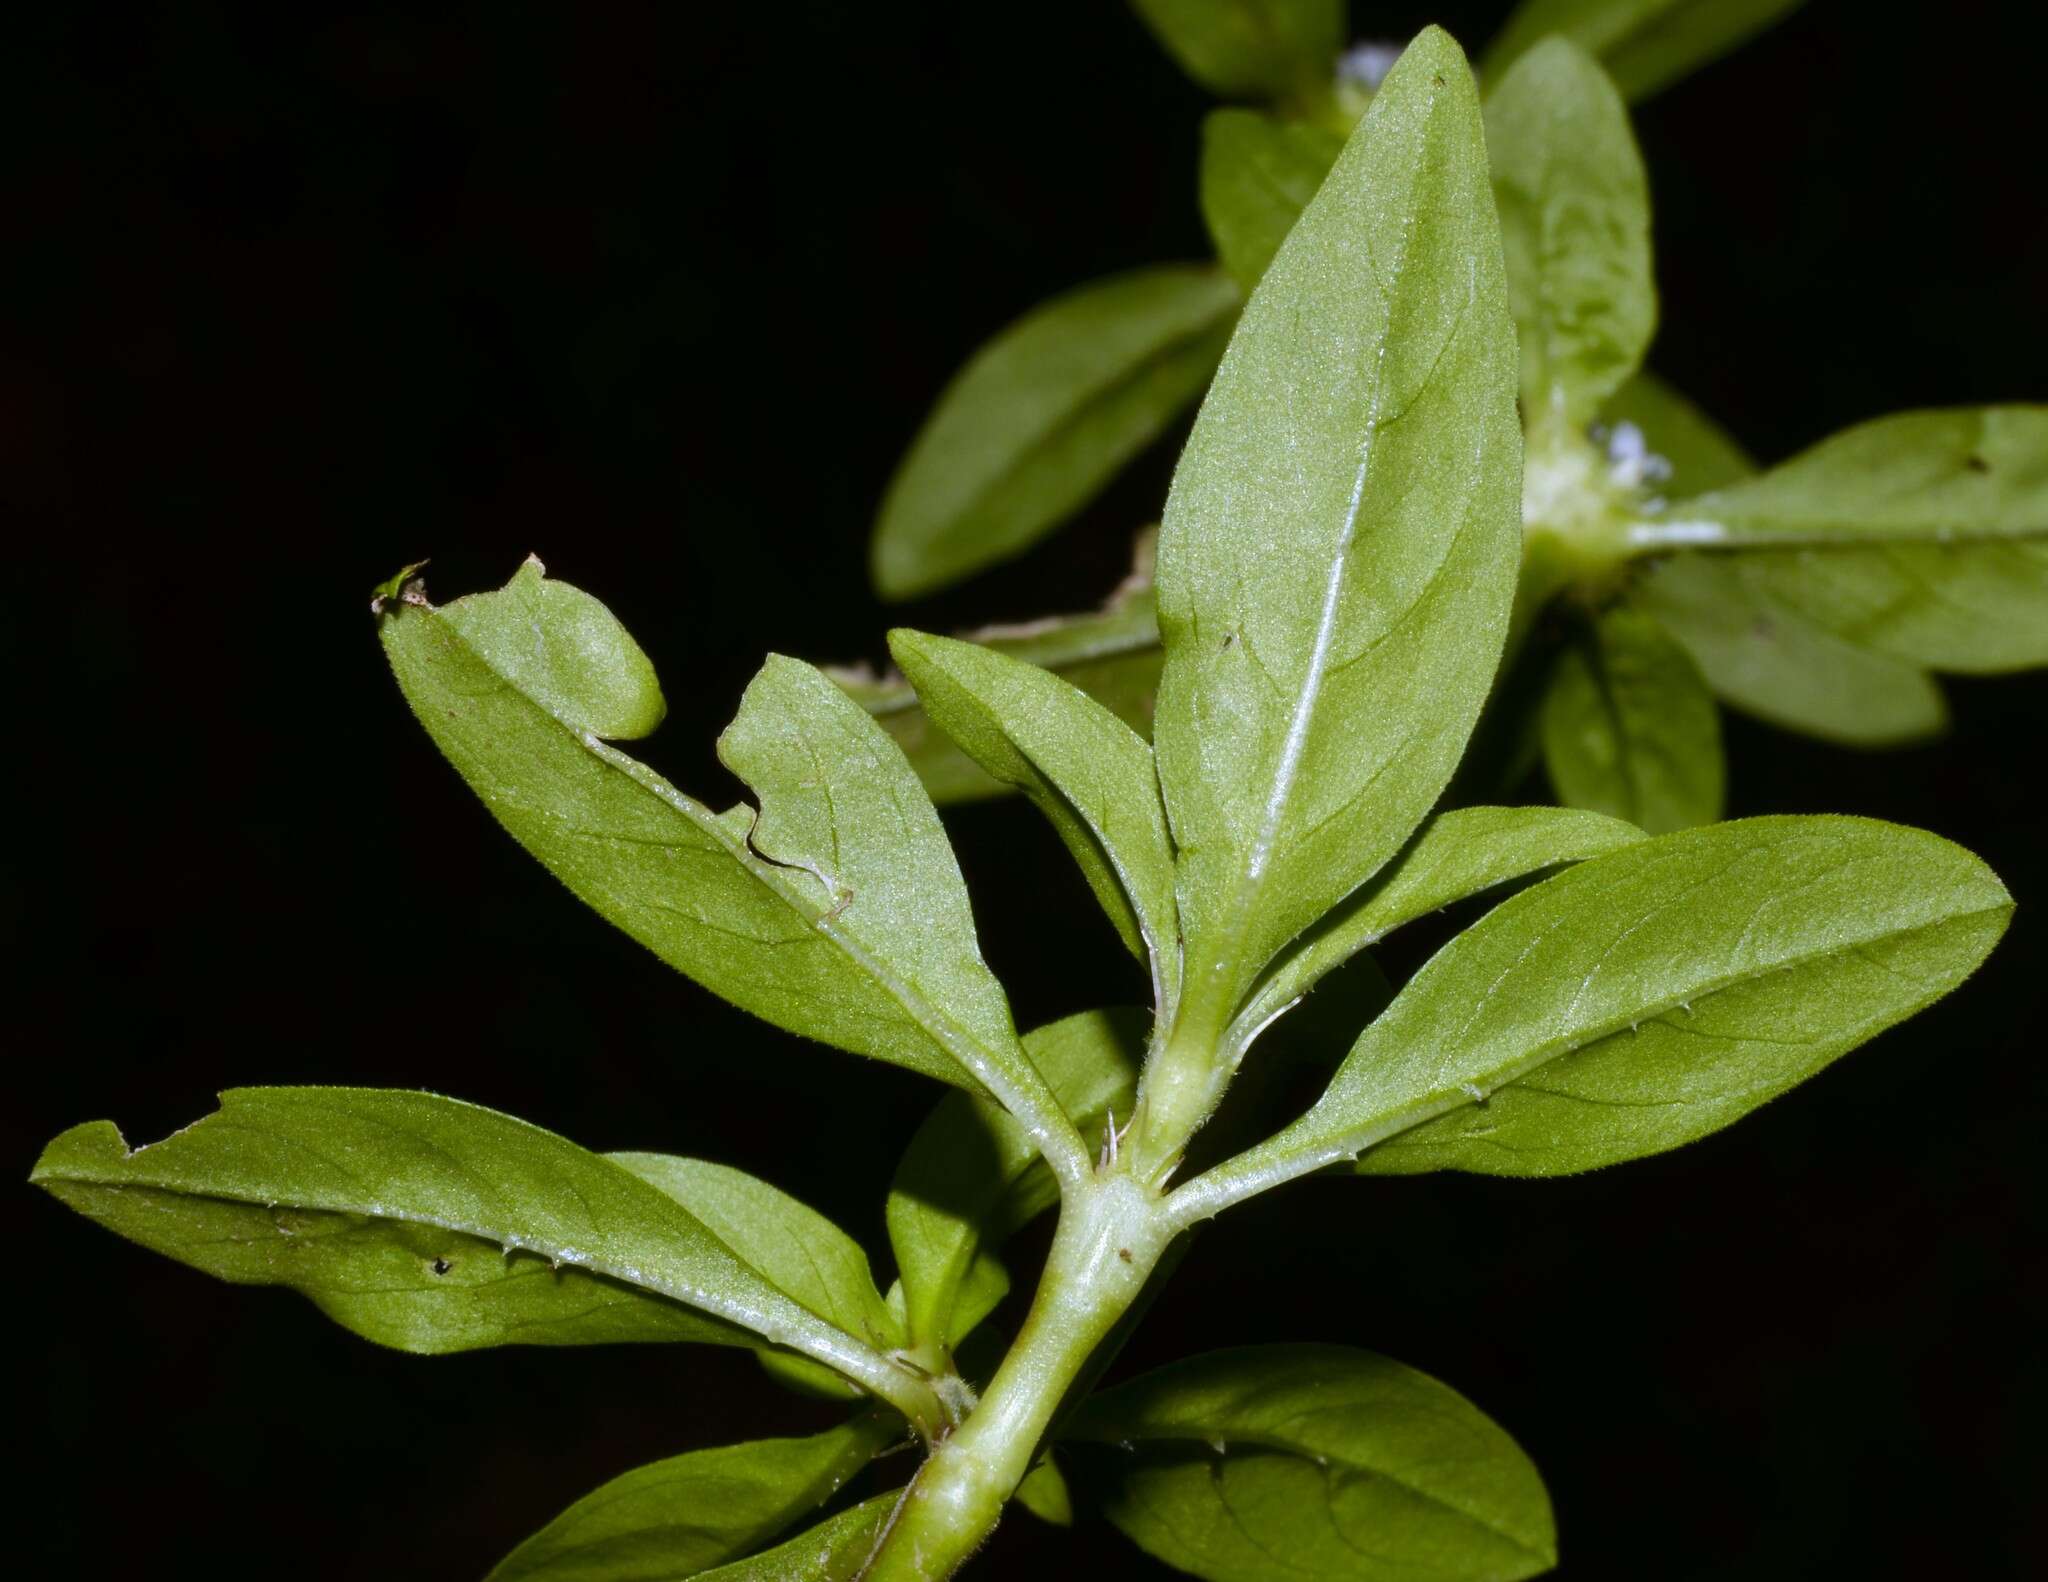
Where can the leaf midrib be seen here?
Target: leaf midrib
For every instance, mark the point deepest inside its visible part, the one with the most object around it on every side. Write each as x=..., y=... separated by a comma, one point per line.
x=810, y=1334
x=1343, y=1144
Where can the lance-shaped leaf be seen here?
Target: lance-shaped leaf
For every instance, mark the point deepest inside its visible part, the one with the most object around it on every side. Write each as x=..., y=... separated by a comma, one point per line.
x=793, y=1245
x=1087, y=771
x=967, y=1179
x=678, y=1517
x=1630, y=729
x=1575, y=225
x=1694, y=453
x=432, y=1226
x=1454, y=856
x=1647, y=998
x=833, y=1551
x=1978, y=608
x=1645, y=44
x=1258, y=173
x=1112, y=654
x=1274, y=1463
x=836, y=911
x=1951, y=476
x=1043, y=416
x=1766, y=658
x=1251, y=49
x=1341, y=539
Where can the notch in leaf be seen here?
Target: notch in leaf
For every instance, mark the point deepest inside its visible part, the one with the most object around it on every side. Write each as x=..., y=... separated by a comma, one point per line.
x=835, y=910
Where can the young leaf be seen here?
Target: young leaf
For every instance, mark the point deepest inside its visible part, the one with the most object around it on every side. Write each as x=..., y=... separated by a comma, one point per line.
x=1700, y=454
x=678, y=1517
x=1089, y=773
x=1629, y=728
x=1979, y=608
x=1112, y=654
x=432, y=1226
x=1765, y=658
x=1043, y=416
x=1963, y=474
x=967, y=1179
x=833, y=1551
x=1646, y=45
x=1452, y=857
x=1258, y=174
x=798, y=1250
x=836, y=912
x=1250, y=49
x=1341, y=539
x=1575, y=226
x=1273, y=1463
x=1646, y=998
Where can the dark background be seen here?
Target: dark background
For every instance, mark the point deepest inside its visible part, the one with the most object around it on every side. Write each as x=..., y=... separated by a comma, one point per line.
x=660, y=293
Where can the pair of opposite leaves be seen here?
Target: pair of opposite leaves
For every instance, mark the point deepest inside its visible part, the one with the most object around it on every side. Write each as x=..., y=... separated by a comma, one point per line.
x=1339, y=560
x=1906, y=545
x=1039, y=420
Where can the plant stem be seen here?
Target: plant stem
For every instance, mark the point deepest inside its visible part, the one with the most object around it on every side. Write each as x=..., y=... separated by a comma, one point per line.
x=1111, y=1234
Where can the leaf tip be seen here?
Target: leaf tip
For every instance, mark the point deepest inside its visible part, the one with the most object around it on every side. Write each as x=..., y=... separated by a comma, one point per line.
x=92, y=1145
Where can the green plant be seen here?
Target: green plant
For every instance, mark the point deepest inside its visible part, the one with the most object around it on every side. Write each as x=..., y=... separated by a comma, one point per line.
x=1660, y=573
x=1336, y=578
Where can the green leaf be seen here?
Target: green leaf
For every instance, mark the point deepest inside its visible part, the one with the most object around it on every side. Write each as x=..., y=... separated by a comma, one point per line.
x=968, y=1178
x=1258, y=174
x=1698, y=452
x=1090, y=774
x=1250, y=49
x=833, y=1551
x=1044, y=1494
x=1630, y=729
x=1575, y=226
x=1766, y=658
x=1646, y=45
x=836, y=912
x=433, y=1226
x=1274, y=1463
x=1978, y=608
x=794, y=1247
x=1952, y=476
x=1112, y=654
x=678, y=1517
x=1043, y=416
x=1454, y=856
x=1975, y=607
x=1341, y=539
x=1651, y=996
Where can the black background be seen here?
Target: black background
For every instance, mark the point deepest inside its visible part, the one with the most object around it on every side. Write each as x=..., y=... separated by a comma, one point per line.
x=660, y=293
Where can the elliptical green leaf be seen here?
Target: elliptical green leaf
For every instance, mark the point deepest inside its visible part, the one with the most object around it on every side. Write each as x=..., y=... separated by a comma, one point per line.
x=1341, y=539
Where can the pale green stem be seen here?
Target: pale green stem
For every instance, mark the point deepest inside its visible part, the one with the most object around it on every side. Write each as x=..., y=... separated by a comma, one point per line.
x=1111, y=1234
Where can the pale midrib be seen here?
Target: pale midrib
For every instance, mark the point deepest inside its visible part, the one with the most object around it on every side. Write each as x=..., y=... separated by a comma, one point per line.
x=1253, y=876
x=1707, y=531
x=1302, y=717
x=782, y=1321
